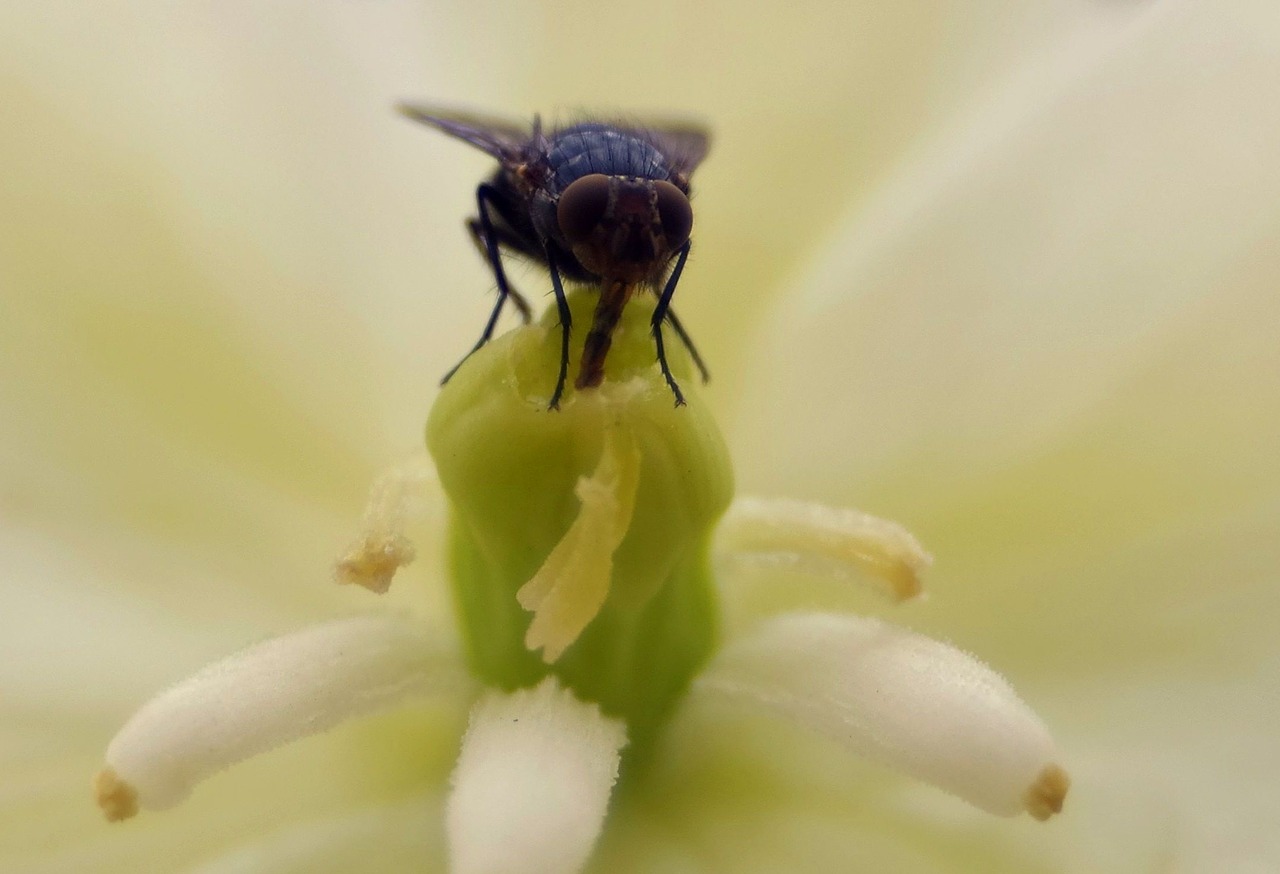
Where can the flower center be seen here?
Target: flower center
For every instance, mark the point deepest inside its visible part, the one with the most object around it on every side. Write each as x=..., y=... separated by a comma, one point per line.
x=580, y=538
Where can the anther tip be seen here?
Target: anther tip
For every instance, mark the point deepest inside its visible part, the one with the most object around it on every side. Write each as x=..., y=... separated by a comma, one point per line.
x=373, y=562
x=1047, y=793
x=904, y=580
x=118, y=799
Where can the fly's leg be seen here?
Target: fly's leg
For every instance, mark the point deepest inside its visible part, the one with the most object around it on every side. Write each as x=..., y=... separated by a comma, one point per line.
x=688, y=344
x=562, y=306
x=484, y=195
x=660, y=313
x=476, y=230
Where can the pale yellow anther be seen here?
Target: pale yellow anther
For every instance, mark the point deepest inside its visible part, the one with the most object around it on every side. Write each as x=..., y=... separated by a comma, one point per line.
x=1047, y=793
x=373, y=562
x=571, y=586
x=117, y=798
x=826, y=540
x=382, y=547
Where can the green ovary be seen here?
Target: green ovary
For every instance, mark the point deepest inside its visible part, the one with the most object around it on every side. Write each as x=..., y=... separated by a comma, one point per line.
x=510, y=467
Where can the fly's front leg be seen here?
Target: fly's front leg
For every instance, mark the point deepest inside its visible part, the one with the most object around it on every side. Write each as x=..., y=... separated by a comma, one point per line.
x=688, y=344
x=485, y=195
x=660, y=313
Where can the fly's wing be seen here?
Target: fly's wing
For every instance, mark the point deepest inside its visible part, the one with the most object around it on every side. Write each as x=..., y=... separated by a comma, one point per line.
x=505, y=140
x=684, y=144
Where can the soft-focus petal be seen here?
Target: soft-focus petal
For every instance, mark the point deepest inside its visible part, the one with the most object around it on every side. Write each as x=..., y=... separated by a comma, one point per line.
x=532, y=783
x=51, y=826
x=910, y=702
x=390, y=838
x=1108, y=201
x=270, y=694
x=1054, y=338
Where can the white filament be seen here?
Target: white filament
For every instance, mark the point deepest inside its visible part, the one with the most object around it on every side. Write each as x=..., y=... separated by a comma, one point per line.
x=272, y=693
x=912, y=703
x=827, y=541
x=532, y=783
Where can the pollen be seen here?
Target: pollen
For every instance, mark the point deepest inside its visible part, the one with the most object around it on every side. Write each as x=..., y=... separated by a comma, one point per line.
x=118, y=800
x=373, y=562
x=404, y=493
x=1047, y=793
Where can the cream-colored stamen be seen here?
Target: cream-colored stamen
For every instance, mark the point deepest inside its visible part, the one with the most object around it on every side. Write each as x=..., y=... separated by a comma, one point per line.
x=532, y=784
x=278, y=691
x=826, y=541
x=571, y=586
x=915, y=704
x=402, y=493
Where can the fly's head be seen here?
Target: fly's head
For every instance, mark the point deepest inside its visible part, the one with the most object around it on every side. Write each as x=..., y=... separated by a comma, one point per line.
x=624, y=228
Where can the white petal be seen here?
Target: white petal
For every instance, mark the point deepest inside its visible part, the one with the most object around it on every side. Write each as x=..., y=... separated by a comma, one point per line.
x=532, y=783
x=272, y=693
x=393, y=837
x=906, y=700
x=1012, y=270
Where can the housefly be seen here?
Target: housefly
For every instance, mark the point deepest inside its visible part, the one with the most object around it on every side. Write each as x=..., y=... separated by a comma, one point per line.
x=597, y=203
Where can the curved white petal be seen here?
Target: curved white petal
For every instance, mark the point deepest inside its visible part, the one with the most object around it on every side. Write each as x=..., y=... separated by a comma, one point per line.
x=210, y=367
x=911, y=702
x=395, y=837
x=532, y=783
x=1113, y=194
x=265, y=696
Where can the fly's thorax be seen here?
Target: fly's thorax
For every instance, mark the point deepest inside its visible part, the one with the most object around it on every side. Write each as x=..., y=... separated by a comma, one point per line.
x=593, y=147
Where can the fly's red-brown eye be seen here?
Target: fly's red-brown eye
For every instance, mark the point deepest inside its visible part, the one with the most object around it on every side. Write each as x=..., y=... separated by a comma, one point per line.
x=675, y=213
x=582, y=206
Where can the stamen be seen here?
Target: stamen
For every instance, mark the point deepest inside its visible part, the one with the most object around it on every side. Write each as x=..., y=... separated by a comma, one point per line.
x=824, y=540
x=910, y=702
x=400, y=494
x=532, y=783
x=568, y=590
x=278, y=691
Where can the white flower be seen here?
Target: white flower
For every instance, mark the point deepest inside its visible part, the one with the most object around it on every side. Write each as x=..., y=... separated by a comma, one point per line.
x=1051, y=307
x=538, y=767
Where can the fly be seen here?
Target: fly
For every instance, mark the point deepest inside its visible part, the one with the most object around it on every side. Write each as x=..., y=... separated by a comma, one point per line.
x=602, y=204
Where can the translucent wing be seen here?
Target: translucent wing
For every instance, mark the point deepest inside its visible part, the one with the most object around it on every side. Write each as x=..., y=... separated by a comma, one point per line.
x=504, y=140
x=685, y=144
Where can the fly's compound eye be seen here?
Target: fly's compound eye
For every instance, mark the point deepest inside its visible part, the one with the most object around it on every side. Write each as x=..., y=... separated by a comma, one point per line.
x=582, y=206
x=675, y=213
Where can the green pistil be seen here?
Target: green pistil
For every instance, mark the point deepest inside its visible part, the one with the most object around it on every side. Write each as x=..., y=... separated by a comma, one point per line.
x=510, y=468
